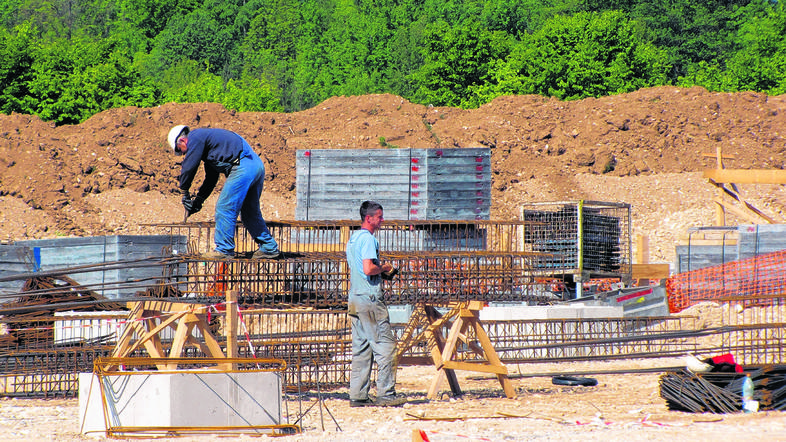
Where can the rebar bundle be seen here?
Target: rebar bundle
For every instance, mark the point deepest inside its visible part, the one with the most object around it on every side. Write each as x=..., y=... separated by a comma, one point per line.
x=722, y=392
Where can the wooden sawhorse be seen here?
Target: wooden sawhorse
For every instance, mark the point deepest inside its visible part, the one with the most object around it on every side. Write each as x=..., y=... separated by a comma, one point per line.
x=444, y=355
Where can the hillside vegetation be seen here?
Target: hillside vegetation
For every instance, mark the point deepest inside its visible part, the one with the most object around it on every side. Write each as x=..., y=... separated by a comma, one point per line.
x=65, y=61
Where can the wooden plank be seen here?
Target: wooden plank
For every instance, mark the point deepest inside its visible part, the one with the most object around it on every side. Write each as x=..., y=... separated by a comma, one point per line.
x=642, y=249
x=707, y=242
x=482, y=368
x=747, y=213
x=747, y=176
x=650, y=271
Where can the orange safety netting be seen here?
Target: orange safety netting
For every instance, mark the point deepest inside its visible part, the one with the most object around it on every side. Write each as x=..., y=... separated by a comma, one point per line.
x=762, y=275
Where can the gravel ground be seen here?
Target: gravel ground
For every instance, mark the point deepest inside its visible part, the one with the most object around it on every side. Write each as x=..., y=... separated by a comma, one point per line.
x=620, y=407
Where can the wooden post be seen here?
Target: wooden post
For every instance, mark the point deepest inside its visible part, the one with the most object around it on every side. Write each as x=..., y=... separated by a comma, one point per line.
x=642, y=249
x=230, y=325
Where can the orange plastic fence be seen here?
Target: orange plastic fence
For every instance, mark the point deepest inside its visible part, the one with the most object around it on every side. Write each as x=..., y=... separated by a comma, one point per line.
x=762, y=275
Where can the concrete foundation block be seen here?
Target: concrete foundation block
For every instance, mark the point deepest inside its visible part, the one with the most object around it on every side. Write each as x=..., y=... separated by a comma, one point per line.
x=183, y=399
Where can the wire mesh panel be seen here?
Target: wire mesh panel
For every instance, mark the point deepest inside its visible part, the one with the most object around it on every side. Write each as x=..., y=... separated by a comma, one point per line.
x=322, y=279
x=575, y=339
x=394, y=235
x=588, y=238
x=756, y=328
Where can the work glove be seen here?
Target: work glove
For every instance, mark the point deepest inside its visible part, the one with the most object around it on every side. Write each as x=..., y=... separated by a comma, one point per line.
x=193, y=205
x=388, y=276
x=186, y=195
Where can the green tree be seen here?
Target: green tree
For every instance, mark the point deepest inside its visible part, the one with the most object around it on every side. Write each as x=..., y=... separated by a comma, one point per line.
x=760, y=62
x=16, y=58
x=186, y=82
x=270, y=47
x=457, y=61
x=584, y=55
x=73, y=80
x=199, y=36
x=691, y=32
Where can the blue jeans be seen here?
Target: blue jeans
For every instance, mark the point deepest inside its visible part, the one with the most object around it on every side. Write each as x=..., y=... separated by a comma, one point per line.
x=372, y=340
x=240, y=195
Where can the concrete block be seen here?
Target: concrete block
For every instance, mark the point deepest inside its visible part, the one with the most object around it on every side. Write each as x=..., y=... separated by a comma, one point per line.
x=601, y=312
x=399, y=314
x=563, y=312
x=182, y=399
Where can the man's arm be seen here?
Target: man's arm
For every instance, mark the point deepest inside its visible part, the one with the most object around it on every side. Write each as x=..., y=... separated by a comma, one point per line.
x=211, y=179
x=372, y=267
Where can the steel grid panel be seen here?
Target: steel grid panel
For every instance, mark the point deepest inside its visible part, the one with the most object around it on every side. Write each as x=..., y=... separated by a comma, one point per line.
x=321, y=280
x=394, y=235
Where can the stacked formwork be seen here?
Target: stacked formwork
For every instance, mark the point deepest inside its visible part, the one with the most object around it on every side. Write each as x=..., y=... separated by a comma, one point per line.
x=713, y=245
x=411, y=184
x=44, y=255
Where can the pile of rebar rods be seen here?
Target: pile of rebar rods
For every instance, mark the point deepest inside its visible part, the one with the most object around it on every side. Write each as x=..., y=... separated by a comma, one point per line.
x=722, y=392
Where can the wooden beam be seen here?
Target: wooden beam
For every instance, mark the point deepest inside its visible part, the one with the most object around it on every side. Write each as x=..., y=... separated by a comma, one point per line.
x=650, y=271
x=747, y=176
x=642, y=249
x=750, y=216
x=470, y=366
x=707, y=242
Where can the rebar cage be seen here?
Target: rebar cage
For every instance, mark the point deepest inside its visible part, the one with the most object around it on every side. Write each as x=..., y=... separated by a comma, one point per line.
x=588, y=239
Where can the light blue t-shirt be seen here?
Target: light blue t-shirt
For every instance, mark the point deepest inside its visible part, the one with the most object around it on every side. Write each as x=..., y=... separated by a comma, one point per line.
x=362, y=245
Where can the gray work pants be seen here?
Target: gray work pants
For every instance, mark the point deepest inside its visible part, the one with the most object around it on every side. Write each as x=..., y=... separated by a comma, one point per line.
x=372, y=341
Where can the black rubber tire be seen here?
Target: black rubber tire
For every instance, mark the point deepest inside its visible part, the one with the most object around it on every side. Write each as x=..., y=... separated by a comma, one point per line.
x=573, y=381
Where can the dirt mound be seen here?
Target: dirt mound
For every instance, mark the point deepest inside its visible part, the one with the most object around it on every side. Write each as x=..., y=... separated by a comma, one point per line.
x=114, y=172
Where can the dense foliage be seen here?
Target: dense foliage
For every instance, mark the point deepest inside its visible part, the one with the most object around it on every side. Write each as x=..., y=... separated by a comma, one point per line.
x=65, y=60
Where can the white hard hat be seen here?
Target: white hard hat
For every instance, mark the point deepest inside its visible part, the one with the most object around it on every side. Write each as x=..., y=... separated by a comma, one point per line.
x=174, y=133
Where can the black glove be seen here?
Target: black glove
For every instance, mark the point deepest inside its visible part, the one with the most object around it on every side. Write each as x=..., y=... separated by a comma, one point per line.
x=193, y=205
x=186, y=196
x=388, y=276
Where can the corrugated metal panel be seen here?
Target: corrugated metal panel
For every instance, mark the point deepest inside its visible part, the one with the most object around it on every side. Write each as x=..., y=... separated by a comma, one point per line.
x=14, y=260
x=59, y=253
x=760, y=239
x=699, y=256
x=433, y=184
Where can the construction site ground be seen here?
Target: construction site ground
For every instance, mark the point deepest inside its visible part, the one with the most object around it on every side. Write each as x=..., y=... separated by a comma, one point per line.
x=620, y=407
x=114, y=175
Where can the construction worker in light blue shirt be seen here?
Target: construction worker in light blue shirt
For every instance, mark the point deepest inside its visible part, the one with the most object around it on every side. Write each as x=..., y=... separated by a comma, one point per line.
x=372, y=336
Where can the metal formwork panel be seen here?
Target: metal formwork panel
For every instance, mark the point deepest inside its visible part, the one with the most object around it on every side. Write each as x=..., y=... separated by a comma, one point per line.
x=59, y=253
x=409, y=183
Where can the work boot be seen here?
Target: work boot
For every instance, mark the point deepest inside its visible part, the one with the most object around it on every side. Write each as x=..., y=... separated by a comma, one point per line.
x=361, y=403
x=261, y=254
x=390, y=401
x=215, y=254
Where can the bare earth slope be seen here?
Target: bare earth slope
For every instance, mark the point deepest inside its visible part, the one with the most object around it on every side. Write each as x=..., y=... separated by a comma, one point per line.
x=114, y=173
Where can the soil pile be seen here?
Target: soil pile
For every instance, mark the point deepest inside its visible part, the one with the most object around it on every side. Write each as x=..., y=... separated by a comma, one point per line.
x=114, y=173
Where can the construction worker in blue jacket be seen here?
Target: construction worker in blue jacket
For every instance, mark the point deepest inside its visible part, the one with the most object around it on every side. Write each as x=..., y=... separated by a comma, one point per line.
x=224, y=152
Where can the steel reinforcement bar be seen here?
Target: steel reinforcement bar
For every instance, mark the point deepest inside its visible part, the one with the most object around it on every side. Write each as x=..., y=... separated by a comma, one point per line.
x=394, y=235
x=321, y=279
x=316, y=346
